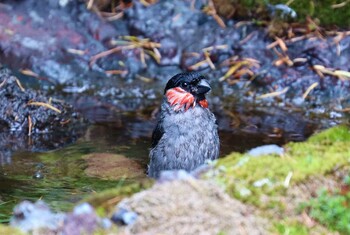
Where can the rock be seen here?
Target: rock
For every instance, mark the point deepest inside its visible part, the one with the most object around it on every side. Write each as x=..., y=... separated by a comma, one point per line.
x=190, y=207
x=170, y=175
x=265, y=150
x=55, y=40
x=124, y=217
x=83, y=220
x=36, y=217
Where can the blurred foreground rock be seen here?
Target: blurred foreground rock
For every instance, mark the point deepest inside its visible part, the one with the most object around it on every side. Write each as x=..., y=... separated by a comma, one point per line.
x=190, y=207
x=37, y=218
x=187, y=206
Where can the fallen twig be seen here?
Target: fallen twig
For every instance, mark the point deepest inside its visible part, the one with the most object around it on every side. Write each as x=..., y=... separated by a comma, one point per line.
x=20, y=85
x=278, y=41
x=309, y=89
x=76, y=51
x=341, y=74
x=207, y=60
x=210, y=10
x=129, y=43
x=144, y=79
x=247, y=38
x=283, y=58
x=116, y=72
x=273, y=94
x=30, y=125
x=29, y=72
x=240, y=67
x=46, y=105
x=3, y=83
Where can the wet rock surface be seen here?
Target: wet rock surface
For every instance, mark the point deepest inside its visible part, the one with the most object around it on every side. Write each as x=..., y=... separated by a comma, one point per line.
x=37, y=218
x=39, y=37
x=123, y=81
x=32, y=121
x=31, y=217
x=63, y=51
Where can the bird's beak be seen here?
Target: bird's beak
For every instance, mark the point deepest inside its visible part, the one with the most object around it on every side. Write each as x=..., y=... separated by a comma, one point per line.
x=203, y=87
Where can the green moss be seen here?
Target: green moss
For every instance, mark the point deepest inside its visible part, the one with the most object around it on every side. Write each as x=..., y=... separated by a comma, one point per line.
x=292, y=228
x=297, y=227
x=336, y=134
x=105, y=201
x=247, y=177
x=332, y=210
x=321, y=10
x=4, y=229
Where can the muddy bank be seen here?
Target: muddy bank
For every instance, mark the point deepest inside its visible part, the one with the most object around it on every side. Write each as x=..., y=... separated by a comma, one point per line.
x=32, y=121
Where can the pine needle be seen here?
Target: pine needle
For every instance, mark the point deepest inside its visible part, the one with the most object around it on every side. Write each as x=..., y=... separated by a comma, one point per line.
x=20, y=85
x=309, y=89
x=30, y=125
x=46, y=105
x=273, y=94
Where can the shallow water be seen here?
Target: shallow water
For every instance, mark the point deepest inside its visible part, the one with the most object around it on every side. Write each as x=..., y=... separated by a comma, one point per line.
x=114, y=148
x=61, y=177
x=58, y=176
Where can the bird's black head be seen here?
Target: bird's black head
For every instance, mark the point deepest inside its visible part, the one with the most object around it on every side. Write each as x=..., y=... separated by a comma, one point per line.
x=192, y=82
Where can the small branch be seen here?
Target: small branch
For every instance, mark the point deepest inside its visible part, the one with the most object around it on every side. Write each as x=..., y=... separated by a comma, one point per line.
x=46, y=105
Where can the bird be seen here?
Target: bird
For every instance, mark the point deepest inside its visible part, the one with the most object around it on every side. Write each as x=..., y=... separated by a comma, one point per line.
x=186, y=134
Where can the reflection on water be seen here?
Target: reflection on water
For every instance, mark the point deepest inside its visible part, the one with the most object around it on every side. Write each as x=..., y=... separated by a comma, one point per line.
x=58, y=176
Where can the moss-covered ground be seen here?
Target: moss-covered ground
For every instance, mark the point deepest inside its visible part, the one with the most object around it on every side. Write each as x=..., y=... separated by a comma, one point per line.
x=9, y=230
x=327, y=12
x=266, y=181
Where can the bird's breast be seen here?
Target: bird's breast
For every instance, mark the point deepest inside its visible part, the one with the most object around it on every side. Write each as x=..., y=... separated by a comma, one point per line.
x=194, y=120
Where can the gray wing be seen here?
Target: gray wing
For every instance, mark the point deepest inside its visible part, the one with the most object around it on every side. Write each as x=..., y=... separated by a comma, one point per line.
x=157, y=134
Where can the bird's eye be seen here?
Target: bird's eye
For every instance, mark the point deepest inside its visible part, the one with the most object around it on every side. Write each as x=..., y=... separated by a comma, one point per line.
x=184, y=84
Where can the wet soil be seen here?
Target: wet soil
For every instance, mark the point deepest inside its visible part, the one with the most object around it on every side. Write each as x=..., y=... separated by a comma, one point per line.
x=31, y=121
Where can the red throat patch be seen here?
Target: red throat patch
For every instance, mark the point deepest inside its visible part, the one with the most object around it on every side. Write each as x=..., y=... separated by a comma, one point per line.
x=178, y=98
x=203, y=103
